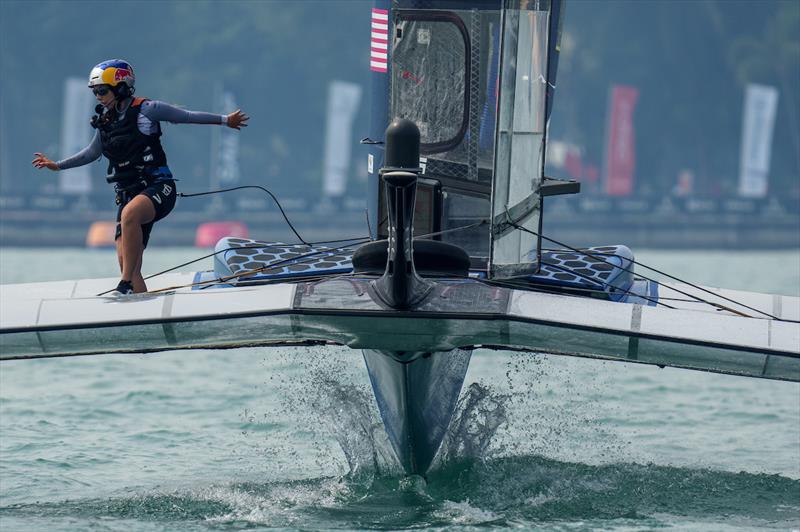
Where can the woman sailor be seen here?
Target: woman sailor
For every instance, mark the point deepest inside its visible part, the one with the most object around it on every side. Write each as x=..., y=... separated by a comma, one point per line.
x=128, y=132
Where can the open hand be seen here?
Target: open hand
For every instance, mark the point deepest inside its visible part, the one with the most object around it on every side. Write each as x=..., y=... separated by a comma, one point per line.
x=237, y=119
x=41, y=161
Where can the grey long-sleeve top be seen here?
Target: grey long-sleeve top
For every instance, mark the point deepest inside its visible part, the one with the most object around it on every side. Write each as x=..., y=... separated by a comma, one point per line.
x=152, y=112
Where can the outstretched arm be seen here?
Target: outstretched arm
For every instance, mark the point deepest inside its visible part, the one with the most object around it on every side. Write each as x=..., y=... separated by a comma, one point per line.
x=87, y=155
x=160, y=111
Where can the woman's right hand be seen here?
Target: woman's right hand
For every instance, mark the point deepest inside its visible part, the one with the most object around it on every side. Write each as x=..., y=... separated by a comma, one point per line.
x=41, y=161
x=237, y=120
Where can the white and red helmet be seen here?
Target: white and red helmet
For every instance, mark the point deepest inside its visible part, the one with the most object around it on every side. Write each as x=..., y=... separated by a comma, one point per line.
x=113, y=73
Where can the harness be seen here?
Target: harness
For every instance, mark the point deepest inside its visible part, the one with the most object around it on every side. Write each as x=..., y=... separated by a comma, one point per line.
x=135, y=160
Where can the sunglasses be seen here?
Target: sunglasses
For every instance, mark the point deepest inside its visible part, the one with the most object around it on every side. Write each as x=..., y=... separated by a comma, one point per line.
x=101, y=91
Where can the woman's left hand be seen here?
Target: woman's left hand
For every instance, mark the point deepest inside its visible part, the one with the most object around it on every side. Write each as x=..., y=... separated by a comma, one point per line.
x=237, y=119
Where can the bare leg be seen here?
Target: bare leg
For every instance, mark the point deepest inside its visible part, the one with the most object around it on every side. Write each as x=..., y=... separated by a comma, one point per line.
x=138, y=211
x=119, y=252
x=138, y=281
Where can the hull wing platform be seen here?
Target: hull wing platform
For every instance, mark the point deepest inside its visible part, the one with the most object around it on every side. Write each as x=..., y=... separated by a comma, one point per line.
x=66, y=318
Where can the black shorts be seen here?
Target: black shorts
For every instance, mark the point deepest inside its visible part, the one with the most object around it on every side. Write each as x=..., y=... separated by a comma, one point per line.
x=162, y=194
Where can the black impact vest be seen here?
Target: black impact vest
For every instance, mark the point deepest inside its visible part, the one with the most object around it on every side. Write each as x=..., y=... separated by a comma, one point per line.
x=131, y=154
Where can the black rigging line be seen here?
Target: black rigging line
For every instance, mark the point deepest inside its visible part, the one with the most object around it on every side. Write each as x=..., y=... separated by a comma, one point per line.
x=292, y=280
x=595, y=282
x=572, y=290
x=278, y=203
x=597, y=256
x=627, y=269
x=453, y=230
x=312, y=255
x=594, y=254
x=554, y=290
x=369, y=227
x=698, y=287
x=199, y=259
x=355, y=241
x=609, y=285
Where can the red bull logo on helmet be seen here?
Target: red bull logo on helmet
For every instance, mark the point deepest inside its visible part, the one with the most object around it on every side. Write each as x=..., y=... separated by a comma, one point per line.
x=121, y=74
x=112, y=75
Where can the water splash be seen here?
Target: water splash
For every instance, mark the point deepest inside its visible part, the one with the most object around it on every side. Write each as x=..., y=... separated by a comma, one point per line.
x=330, y=400
x=555, y=406
x=479, y=414
x=348, y=413
x=334, y=400
x=522, y=491
x=502, y=462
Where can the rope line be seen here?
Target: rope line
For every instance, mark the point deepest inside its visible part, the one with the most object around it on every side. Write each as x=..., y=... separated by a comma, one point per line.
x=596, y=256
x=271, y=195
x=273, y=265
x=665, y=274
x=266, y=267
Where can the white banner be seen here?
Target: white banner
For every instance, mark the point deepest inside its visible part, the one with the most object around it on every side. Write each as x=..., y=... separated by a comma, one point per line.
x=343, y=100
x=760, y=105
x=76, y=132
x=5, y=151
x=224, y=161
x=228, y=167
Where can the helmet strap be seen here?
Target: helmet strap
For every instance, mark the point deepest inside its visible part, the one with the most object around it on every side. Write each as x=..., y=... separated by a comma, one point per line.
x=122, y=91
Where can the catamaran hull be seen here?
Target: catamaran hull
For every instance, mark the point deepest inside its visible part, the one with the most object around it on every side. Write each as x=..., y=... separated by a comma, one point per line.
x=416, y=395
x=65, y=318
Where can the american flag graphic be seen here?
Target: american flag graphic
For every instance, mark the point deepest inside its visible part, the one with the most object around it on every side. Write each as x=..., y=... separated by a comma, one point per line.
x=379, y=41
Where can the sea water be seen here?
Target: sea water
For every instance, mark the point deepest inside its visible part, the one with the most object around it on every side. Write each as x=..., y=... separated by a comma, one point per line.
x=290, y=438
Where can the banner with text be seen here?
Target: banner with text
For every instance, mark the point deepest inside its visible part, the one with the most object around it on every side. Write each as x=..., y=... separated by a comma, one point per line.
x=75, y=135
x=343, y=100
x=620, y=156
x=228, y=156
x=760, y=105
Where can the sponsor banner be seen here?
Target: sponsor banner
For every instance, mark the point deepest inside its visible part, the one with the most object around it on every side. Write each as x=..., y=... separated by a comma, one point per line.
x=760, y=105
x=76, y=133
x=343, y=100
x=223, y=167
x=5, y=150
x=228, y=160
x=621, y=141
x=696, y=205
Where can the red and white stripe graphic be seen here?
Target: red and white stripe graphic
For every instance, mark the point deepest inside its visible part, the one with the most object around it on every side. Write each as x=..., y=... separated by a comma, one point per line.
x=379, y=41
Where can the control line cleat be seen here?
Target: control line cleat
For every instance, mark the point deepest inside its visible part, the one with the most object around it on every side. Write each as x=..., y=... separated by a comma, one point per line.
x=124, y=288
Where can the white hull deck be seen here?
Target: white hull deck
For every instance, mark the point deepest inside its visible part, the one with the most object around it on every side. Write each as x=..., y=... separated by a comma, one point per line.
x=67, y=318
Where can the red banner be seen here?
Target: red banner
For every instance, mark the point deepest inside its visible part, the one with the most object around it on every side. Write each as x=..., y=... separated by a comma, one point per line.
x=621, y=141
